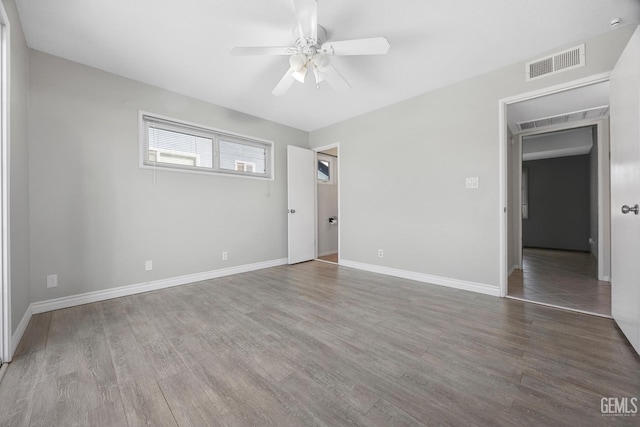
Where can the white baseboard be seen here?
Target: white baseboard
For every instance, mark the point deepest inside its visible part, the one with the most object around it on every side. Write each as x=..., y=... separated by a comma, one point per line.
x=22, y=326
x=426, y=278
x=89, y=297
x=512, y=269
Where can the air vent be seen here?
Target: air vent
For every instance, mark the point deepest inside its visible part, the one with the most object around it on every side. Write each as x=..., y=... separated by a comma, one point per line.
x=590, y=113
x=556, y=63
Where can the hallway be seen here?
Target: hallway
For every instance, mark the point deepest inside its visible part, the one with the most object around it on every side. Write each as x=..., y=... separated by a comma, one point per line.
x=561, y=278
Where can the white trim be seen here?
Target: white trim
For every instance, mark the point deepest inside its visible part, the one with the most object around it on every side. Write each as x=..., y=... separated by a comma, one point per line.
x=3, y=370
x=559, y=307
x=338, y=161
x=89, y=297
x=5, y=258
x=22, y=326
x=481, y=288
x=518, y=207
x=123, y=291
x=503, y=136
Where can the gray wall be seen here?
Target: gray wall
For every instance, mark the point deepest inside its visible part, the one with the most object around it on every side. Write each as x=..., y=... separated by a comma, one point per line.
x=404, y=168
x=96, y=216
x=559, y=205
x=19, y=168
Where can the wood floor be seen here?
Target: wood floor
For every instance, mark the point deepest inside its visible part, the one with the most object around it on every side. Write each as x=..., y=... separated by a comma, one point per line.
x=330, y=258
x=316, y=344
x=563, y=278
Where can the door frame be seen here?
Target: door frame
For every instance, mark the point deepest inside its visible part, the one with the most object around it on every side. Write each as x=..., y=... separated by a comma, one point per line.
x=604, y=221
x=5, y=286
x=503, y=134
x=316, y=150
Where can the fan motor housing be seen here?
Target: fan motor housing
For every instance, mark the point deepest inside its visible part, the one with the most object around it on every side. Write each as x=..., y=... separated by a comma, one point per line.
x=305, y=44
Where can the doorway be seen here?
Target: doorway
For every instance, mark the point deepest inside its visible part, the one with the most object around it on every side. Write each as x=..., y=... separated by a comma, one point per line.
x=545, y=271
x=327, y=204
x=559, y=220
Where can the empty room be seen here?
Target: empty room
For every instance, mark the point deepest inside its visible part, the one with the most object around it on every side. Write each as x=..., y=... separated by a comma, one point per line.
x=315, y=212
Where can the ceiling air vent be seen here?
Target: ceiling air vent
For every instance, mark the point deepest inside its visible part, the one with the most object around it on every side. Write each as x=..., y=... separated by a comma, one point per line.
x=556, y=63
x=591, y=113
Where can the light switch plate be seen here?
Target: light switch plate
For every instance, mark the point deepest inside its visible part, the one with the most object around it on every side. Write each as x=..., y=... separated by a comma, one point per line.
x=52, y=281
x=472, y=182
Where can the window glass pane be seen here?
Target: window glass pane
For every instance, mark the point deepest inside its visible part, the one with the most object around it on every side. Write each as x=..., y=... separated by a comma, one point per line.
x=323, y=170
x=240, y=157
x=178, y=148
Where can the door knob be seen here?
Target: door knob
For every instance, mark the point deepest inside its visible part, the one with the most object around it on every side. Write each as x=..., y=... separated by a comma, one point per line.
x=292, y=211
x=626, y=209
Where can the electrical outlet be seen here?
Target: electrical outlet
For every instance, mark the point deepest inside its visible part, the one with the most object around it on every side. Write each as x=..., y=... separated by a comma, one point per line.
x=472, y=182
x=225, y=256
x=52, y=281
x=148, y=265
x=380, y=253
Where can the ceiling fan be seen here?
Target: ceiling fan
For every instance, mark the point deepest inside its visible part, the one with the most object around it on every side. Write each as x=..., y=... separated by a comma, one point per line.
x=312, y=51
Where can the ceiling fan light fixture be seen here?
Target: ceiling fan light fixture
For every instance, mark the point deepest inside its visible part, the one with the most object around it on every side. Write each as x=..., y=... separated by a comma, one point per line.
x=300, y=74
x=311, y=50
x=298, y=62
x=321, y=60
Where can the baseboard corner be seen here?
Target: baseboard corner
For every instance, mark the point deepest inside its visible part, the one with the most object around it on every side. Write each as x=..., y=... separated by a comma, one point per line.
x=19, y=332
x=480, y=288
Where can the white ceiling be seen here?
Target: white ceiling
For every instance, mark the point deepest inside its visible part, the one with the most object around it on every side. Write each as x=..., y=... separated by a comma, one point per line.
x=183, y=45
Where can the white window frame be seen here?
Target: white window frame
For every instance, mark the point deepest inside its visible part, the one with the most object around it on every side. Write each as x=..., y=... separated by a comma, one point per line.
x=216, y=135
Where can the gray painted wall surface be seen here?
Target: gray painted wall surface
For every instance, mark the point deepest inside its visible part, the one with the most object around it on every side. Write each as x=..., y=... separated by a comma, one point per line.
x=559, y=204
x=404, y=168
x=96, y=216
x=19, y=167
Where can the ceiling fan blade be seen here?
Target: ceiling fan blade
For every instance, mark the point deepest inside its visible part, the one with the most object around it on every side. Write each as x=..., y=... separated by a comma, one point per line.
x=285, y=83
x=335, y=79
x=307, y=14
x=262, y=50
x=373, y=46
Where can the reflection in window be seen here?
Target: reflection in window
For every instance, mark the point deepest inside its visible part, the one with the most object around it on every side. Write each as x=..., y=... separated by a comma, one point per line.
x=324, y=173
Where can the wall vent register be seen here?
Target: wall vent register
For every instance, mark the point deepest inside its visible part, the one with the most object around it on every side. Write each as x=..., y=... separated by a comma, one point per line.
x=557, y=63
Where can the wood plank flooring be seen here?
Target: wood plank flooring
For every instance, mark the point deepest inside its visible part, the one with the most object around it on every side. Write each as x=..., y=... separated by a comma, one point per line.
x=562, y=278
x=316, y=344
x=330, y=258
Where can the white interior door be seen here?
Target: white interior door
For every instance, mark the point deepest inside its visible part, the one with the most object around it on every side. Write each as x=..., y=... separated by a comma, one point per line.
x=625, y=191
x=301, y=183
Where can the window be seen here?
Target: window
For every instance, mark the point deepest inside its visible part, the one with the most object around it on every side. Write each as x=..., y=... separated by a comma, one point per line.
x=325, y=169
x=170, y=144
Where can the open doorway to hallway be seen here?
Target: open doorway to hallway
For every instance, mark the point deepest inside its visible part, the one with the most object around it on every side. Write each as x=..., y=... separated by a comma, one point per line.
x=558, y=174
